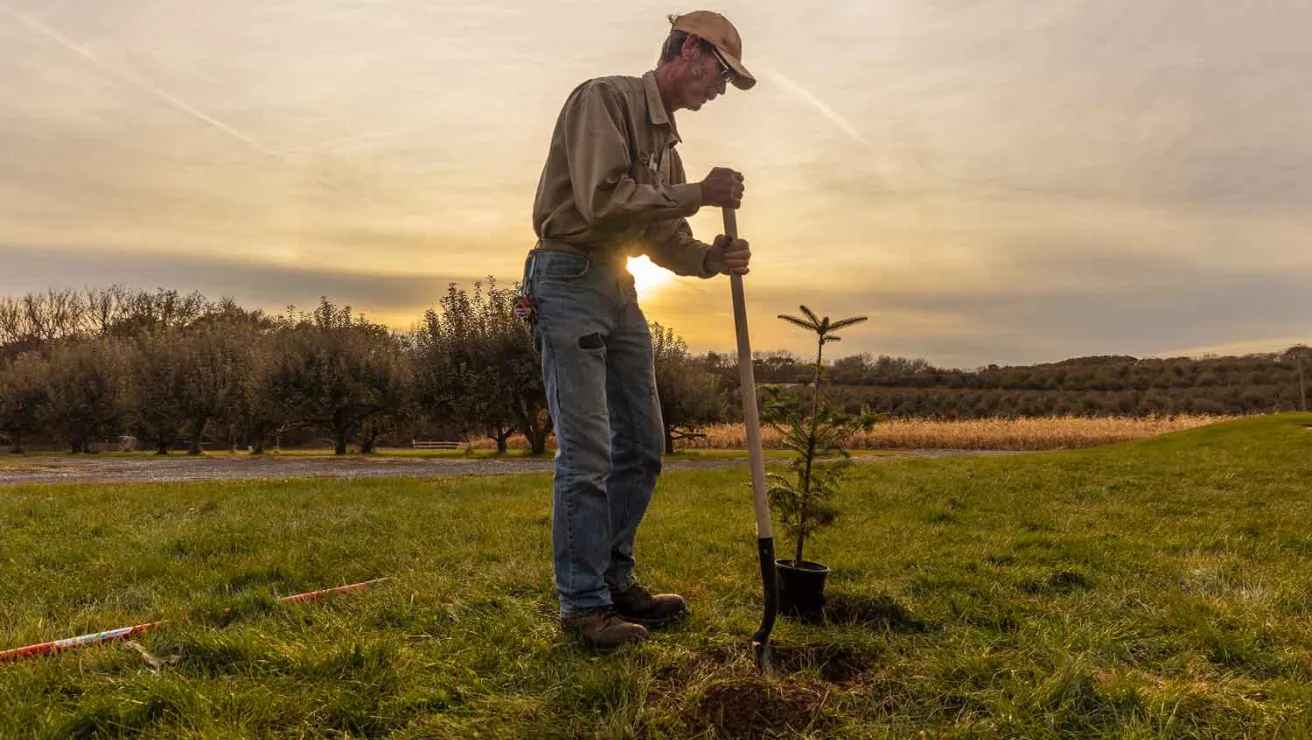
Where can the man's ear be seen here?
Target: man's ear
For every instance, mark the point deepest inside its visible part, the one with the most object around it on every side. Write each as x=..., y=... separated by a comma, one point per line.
x=692, y=47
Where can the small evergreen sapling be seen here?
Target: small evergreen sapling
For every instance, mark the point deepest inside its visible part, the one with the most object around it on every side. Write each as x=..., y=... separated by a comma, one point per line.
x=804, y=502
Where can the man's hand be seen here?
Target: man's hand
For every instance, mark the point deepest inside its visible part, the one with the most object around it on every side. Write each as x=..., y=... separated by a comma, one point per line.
x=723, y=187
x=728, y=257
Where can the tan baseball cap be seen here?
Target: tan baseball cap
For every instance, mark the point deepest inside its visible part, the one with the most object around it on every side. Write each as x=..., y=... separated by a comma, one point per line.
x=720, y=33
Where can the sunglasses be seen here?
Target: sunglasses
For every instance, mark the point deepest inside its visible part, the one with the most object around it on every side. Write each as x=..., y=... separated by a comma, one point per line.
x=726, y=72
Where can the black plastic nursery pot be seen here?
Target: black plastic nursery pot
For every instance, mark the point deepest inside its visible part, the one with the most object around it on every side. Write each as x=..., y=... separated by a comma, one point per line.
x=801, y=589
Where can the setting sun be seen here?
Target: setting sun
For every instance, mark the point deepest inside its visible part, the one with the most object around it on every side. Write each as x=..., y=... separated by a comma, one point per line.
x=648, y=277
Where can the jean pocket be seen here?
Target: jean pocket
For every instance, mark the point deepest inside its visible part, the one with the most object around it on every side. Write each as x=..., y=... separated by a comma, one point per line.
x=561, y=266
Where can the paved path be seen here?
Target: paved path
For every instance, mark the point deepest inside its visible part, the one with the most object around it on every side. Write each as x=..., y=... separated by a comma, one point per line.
x=93, y=469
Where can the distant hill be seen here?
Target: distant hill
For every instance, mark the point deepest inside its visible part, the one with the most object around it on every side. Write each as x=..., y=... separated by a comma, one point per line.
x=1103, y=385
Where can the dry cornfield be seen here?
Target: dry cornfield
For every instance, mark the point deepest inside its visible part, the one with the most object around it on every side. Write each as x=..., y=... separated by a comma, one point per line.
x=1037, y=433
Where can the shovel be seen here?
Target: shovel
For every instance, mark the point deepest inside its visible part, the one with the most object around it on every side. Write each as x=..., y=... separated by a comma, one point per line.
x=752, y=419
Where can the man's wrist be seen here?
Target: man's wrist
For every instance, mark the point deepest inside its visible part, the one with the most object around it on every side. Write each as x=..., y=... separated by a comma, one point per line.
x=689, y=197
x=710, y=268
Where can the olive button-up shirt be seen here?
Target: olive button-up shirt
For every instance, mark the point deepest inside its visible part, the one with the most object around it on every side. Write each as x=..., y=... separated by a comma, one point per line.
x=613, y=184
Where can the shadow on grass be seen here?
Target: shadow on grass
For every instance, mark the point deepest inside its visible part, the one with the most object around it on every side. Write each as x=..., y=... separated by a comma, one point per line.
x=840, y=664
x=872, y=612
x=1059, y=582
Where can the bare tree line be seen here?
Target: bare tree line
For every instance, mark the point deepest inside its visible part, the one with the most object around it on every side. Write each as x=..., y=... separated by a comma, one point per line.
x=181, y=371
x=37, y=319
x=77, y=368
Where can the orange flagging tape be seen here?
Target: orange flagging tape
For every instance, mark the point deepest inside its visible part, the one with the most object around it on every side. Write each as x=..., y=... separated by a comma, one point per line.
x=123, y=633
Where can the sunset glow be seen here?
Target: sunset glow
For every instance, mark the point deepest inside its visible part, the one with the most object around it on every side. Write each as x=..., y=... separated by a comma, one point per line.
x=998, y=182
x=648, y=277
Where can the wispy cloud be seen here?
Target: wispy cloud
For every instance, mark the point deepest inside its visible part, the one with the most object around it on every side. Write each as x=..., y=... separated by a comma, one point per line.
x=798, y=91
x=38, y=26
x=43, y=29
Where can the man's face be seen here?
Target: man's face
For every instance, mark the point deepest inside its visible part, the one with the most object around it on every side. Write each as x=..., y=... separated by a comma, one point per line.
x=705, y=76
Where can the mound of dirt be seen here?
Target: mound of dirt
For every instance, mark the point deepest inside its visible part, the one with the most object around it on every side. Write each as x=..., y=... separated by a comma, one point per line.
x=756, y=710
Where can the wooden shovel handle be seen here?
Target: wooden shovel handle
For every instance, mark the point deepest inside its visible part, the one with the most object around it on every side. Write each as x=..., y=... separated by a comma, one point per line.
x=747, y=385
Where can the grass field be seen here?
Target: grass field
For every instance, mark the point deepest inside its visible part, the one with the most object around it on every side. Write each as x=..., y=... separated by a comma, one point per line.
x=1161, y=588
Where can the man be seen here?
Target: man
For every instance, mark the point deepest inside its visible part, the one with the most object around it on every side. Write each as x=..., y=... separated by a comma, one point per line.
x=613, y=186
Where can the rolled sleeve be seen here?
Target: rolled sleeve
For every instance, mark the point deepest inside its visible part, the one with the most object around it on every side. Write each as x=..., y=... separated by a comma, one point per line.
x=673, y=247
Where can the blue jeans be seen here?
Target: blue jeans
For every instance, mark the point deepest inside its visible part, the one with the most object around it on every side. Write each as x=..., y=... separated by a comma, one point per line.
x=601, y=391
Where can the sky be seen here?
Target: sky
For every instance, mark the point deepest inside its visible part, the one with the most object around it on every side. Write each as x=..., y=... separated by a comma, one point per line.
x=989, y=181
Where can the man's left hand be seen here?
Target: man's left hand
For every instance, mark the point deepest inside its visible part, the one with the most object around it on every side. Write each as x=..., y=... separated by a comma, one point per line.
x=728, y=257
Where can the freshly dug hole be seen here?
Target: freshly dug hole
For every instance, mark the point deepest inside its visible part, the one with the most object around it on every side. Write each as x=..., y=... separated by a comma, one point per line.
x=754, y=709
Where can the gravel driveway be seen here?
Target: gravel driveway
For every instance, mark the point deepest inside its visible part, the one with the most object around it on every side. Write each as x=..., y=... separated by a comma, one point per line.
x=92, y=469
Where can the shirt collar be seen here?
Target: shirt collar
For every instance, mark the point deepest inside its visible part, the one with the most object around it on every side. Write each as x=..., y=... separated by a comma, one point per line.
x=656, y=107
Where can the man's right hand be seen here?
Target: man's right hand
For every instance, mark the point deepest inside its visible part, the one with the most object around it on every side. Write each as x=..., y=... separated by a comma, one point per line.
x=723, y=187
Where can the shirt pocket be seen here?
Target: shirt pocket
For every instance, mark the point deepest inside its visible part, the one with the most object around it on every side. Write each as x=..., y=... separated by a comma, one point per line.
x=650, y=169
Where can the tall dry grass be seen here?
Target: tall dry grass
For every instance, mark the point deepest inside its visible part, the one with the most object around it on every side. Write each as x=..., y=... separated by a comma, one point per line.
x=982, y=434
x=1043, y=433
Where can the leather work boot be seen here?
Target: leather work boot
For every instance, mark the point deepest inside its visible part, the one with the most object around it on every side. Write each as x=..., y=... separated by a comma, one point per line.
x=603, y=630
x=637, y=605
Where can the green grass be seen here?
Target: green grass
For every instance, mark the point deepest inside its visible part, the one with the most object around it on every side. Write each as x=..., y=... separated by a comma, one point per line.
x=35, y=459
x=1155, y=589
x=769, y=454
x=297, y=453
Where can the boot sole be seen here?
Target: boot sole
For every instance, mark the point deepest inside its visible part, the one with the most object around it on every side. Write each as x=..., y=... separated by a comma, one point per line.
x=605, y=650
x=595, y=649
x=656, y=623
x=608, y=650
